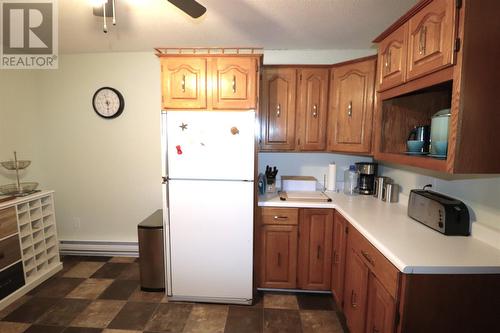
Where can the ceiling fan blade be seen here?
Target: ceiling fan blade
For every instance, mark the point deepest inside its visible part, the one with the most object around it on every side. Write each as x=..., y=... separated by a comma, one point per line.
x=190, y=7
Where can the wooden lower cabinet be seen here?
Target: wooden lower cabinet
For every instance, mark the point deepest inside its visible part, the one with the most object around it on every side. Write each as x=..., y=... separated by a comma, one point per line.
x=381, y=311
x=288, y=261
x=356, y=292
x=278, y=256
x=315, y=249
x=338, y=257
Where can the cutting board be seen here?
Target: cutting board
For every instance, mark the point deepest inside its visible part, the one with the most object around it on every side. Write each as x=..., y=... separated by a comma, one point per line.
x=304, y=196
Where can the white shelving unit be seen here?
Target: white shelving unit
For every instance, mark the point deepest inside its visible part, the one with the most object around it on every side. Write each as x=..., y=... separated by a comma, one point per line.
x=38, y=241
x=37, y=227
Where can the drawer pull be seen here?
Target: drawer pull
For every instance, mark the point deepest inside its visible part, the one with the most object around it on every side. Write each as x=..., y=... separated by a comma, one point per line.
x=349, y=109
x=234, y=84
x=368, y=257
x=375, y=330
x=279, y=259
x=280, y=217
x=278, y=110
x=319, y=252
x=353, y=299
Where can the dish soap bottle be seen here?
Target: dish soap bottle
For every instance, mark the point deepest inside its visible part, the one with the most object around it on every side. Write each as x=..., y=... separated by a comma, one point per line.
x=351, y=180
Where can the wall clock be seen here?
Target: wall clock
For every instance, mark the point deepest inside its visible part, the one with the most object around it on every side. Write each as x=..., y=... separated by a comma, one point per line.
x=108, y=102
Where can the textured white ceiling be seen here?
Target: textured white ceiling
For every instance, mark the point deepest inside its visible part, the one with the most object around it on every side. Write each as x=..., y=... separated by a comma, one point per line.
x=272, y=24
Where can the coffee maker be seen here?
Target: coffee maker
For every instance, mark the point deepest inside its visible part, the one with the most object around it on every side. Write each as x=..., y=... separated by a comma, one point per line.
x=367, y=173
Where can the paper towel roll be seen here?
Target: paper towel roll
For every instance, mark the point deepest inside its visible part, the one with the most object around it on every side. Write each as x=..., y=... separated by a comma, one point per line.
x=331, y=177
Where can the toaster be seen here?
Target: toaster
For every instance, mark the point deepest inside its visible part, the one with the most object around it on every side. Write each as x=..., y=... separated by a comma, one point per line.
x=447, y=215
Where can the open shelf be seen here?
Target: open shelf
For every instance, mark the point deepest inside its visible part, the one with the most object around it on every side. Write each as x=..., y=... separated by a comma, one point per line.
x=401, y=114
x=23, y=217
x=22, y=207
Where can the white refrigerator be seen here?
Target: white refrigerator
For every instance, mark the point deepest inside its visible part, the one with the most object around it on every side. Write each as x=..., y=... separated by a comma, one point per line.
x=208, y=160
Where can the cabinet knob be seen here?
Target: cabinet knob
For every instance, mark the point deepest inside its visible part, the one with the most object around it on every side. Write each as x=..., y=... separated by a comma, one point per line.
x=349, y=109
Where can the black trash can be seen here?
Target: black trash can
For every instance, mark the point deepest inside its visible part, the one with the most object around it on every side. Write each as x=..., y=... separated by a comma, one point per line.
x=151, y=258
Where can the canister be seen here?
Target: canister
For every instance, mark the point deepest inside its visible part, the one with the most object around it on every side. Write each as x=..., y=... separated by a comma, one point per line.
x=390, y=192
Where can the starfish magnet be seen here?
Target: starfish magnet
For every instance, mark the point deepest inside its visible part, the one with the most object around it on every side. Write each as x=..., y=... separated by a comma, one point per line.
x=183, y=127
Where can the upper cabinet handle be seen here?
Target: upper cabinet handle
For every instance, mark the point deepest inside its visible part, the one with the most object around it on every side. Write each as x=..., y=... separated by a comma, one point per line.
x=423, y=40
x=183, y=83
x=315, y=111
x=234, y=84
x=278, y=110
x=349, y=109
x=388, y=60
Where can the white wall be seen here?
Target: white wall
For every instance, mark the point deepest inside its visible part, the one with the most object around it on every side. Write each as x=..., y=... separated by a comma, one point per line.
x=19, y=128
x=308, y=164
x=481, y=193
x=106, y=173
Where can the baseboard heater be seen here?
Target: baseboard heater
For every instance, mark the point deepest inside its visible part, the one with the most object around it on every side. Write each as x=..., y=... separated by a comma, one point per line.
x=99, y=248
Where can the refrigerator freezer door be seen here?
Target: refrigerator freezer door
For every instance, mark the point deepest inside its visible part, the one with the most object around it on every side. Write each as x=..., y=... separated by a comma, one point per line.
x=211, y=239
x=211, y=145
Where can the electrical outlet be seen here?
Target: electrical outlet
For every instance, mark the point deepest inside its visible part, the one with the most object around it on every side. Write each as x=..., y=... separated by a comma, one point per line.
x=76, y=223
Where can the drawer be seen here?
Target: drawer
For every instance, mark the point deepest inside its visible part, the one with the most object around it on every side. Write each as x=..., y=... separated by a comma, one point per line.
x=8, y=222
x=282, y=216
x=9, y=251
x=383, y=269
x=11, y=279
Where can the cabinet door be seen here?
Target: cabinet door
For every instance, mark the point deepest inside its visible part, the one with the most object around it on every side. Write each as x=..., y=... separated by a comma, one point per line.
x=278, y=108
x=356, y=288
x=315, y=249
x=380, y=317
x=351, y=113
x=278, y=256
x=392, y=59
x=234, y=83
x=184, y=83
x=338, y=257
x=431, y=38
x=312, y=109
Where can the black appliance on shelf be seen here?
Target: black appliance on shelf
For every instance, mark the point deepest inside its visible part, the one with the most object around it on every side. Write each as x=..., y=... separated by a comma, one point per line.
x=367, y=173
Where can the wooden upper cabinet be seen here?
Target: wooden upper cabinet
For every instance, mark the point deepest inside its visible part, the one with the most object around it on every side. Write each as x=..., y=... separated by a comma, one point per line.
x=431, y=38
x=234, y=83
x=312, y=109
x=278, y=108
x=351, y=110
x=184, y=83
x=392, y=59
x=315, y=249
x=278, y=267
x=380, y=317
x=338, y=257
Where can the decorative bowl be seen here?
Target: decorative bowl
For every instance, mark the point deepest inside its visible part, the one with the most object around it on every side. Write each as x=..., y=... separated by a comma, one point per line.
x=11, y=189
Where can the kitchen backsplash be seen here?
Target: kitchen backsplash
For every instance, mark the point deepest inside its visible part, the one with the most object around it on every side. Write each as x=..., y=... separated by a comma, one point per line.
x=308, y=164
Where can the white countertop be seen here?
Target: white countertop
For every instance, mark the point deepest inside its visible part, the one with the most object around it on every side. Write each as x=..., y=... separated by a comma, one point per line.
x=408, y=244
x=19, y=200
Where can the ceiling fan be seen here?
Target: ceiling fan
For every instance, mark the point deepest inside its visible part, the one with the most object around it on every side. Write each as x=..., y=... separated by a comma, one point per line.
x=105, y=8
x=190, y=7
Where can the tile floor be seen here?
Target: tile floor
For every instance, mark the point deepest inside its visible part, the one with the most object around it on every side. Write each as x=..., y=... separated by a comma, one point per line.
x=102, y=294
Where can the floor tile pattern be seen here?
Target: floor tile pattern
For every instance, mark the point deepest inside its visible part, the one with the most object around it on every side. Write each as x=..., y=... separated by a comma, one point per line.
x=102, y=295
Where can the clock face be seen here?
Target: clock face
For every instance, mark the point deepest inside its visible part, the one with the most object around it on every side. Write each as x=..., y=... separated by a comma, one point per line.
x=108, y=102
